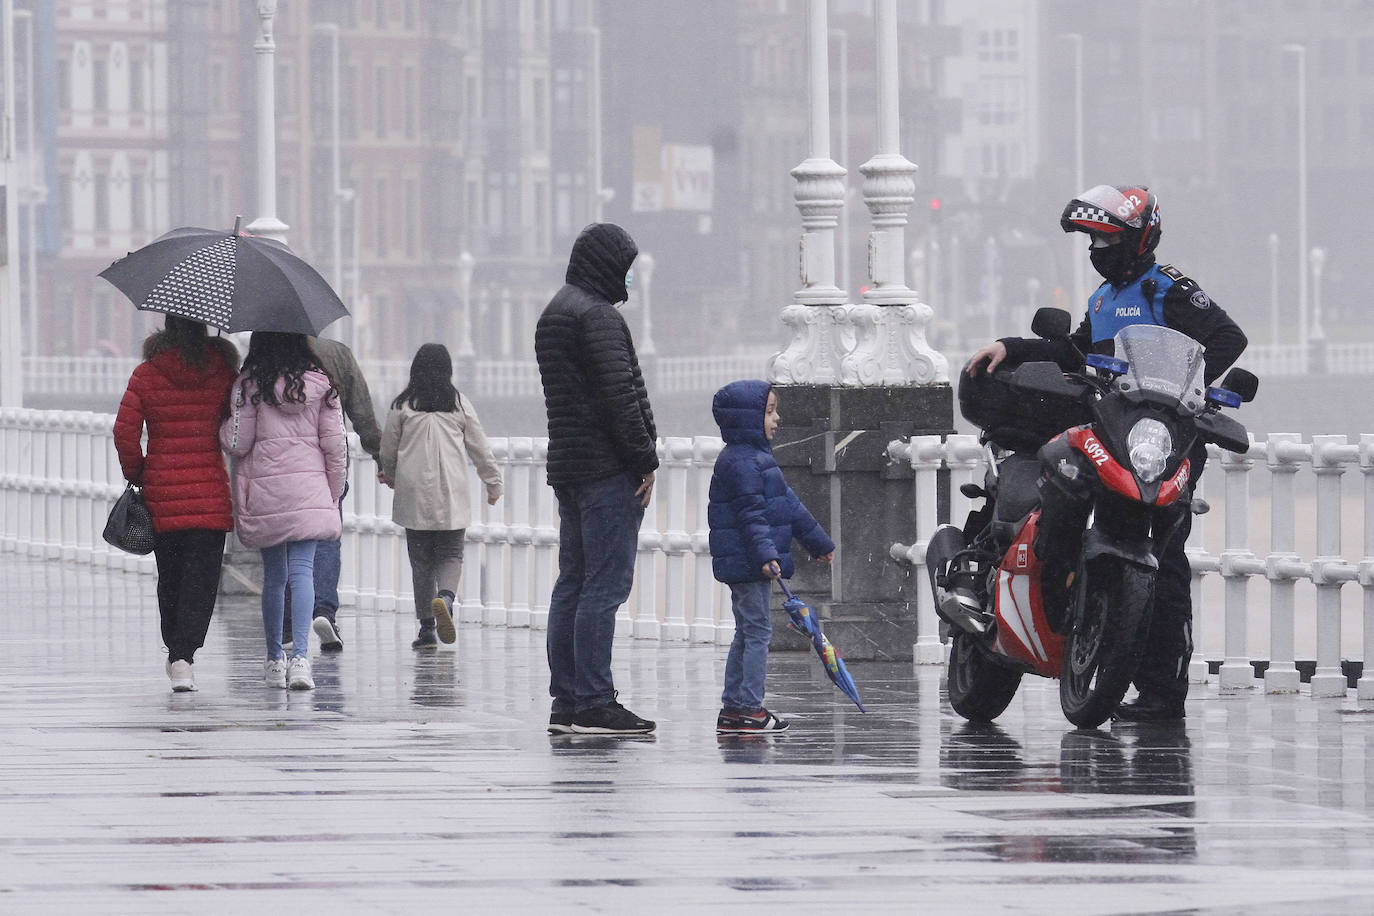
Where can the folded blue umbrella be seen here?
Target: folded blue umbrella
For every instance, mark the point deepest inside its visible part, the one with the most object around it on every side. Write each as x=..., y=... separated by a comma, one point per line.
x=809, y=625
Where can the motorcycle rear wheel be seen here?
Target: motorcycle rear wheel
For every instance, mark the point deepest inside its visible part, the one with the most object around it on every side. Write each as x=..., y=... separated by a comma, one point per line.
x=979, y=688
x=1103, y=649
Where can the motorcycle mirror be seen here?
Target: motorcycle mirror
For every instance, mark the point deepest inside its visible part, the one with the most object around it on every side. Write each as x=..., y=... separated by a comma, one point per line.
x=1051, y=323
x=1242, y=382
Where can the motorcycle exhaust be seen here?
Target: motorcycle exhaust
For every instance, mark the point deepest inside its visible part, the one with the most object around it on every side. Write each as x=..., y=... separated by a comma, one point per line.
x=955, y=589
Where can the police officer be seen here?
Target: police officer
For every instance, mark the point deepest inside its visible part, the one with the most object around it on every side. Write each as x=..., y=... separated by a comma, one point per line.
x=1123, y=226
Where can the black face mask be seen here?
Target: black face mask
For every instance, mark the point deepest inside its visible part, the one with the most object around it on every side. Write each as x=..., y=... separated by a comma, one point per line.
x=1114, y=263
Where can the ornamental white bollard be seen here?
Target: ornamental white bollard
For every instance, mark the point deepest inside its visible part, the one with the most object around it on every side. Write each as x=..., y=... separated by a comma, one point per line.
x=1201, y=563
x=545, y=541
x=707, y=623
x=926, y=455
x=496, y=534
x=1236, y=566
x=363, y=524
x=470, y=586
x=69, y=494
x=1364, y=687
x=1329, y=457
x=391, y=559
x=1283, y=567
x=638, y=616
x=676, y=467
x=521, y=532
x=91, y=470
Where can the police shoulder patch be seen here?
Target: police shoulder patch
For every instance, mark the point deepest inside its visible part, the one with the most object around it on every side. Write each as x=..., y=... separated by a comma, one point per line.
x=1172, y=272
x=1199, y=299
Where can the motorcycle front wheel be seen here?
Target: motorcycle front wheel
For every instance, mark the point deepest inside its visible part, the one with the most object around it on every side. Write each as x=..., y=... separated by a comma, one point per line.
x=1103, y=648
x=979, y=688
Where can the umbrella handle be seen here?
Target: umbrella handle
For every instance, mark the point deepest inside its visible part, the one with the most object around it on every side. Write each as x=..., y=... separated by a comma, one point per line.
x=787, y=592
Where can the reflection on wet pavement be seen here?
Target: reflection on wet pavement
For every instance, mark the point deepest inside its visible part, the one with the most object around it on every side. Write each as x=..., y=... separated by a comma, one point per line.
x=409, y=782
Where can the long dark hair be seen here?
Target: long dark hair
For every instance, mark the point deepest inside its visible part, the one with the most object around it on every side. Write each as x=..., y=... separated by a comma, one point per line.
x=192, y=340
x=431, y=382
x=276, y=355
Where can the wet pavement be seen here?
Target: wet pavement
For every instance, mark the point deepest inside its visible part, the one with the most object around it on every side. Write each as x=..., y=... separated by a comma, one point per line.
x=407, y=783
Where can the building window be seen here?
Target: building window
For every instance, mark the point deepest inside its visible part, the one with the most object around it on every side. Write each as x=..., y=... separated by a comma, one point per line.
x=100, y=84
x=137, y=84
x=540, y=112
x=64, y=84
x=348, y=101
x=412, y=218
x=138, y=203
x=102, y=203
x=379, y=113
x=381, y=211
x=408, y=102
x=68, y=204
x=285, y=90
x=219, y=99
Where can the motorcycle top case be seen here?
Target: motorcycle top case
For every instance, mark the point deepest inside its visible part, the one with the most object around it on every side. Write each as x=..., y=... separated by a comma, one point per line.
x=1014, y=419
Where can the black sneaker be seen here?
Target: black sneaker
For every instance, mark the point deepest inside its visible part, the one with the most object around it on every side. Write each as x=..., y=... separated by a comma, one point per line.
x=610, y=719
x=328, y=633
x=560, y=723
x=427, y=639
x=750, y=723
x=1149, y=710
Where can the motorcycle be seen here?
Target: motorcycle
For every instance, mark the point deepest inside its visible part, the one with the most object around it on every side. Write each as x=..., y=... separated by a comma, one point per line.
x=1089, y=469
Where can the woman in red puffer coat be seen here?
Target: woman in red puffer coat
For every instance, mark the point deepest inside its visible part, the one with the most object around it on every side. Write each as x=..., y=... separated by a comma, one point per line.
x=180, y=392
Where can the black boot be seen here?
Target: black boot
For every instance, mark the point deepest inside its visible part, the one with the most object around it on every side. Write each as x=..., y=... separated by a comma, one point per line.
x=428, y=638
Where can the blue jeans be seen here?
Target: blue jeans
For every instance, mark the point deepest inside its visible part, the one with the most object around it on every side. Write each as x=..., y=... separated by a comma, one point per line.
x=747, y=664
x=328, y=565
x=286, y=564
x=597, y=539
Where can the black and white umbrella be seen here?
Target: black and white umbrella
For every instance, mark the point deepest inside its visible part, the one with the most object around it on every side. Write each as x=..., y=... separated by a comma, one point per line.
x=233, y=281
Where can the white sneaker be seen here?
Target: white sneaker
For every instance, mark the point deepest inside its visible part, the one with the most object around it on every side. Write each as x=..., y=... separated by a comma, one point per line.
x=274, y=673
x=180, y=673
x=298, y=673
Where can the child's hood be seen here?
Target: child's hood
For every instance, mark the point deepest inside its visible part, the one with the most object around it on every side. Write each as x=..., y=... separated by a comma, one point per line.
x=738, y=409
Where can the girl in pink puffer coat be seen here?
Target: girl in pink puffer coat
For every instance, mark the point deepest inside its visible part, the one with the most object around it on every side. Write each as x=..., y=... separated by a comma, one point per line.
x=285, y=428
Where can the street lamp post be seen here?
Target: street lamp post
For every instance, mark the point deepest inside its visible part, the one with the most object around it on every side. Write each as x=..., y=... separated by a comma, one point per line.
x=645, y=278
x=1274, y=289
x=11, y=352
x=33, y=193
x=331, y=31
x=1080, y=282
x=267, y=224
x=1317, y=259
x=1301, y=52
x=466, y=264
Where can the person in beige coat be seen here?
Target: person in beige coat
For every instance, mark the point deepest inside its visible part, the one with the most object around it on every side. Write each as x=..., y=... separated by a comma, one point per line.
x=431, y=433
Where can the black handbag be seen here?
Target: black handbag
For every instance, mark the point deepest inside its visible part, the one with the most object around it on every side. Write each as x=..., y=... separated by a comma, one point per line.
x=130, y=526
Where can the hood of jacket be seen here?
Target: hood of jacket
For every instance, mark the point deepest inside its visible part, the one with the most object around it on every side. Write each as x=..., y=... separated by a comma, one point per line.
x=316, y=385
x=738, y=409
x=601, y=256
x=181, y=374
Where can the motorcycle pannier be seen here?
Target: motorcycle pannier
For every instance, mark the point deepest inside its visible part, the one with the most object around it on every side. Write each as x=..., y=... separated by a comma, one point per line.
x=1013, y=419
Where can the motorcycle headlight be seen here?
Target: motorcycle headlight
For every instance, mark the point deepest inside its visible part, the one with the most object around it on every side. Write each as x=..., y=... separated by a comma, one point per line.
x=1149, y=444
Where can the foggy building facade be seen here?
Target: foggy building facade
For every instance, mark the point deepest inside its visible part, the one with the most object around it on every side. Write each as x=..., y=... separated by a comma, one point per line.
x=480, y=127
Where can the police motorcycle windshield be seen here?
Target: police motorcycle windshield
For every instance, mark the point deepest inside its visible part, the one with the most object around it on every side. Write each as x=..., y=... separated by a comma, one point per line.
x=1163, y=361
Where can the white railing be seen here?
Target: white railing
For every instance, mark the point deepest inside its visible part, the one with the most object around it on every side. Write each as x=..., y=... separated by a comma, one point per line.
x=107, y=376
x=59, y=474
x=1300, y=486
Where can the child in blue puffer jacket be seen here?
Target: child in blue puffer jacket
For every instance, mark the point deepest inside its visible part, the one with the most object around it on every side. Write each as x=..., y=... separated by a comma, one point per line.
x=753, y=515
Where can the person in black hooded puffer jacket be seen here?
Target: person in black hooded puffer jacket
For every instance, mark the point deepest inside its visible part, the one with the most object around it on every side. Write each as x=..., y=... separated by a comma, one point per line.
x=601, y=462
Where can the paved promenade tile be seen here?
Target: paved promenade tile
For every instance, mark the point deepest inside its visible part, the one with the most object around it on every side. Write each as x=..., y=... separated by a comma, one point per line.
x=413, y=784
